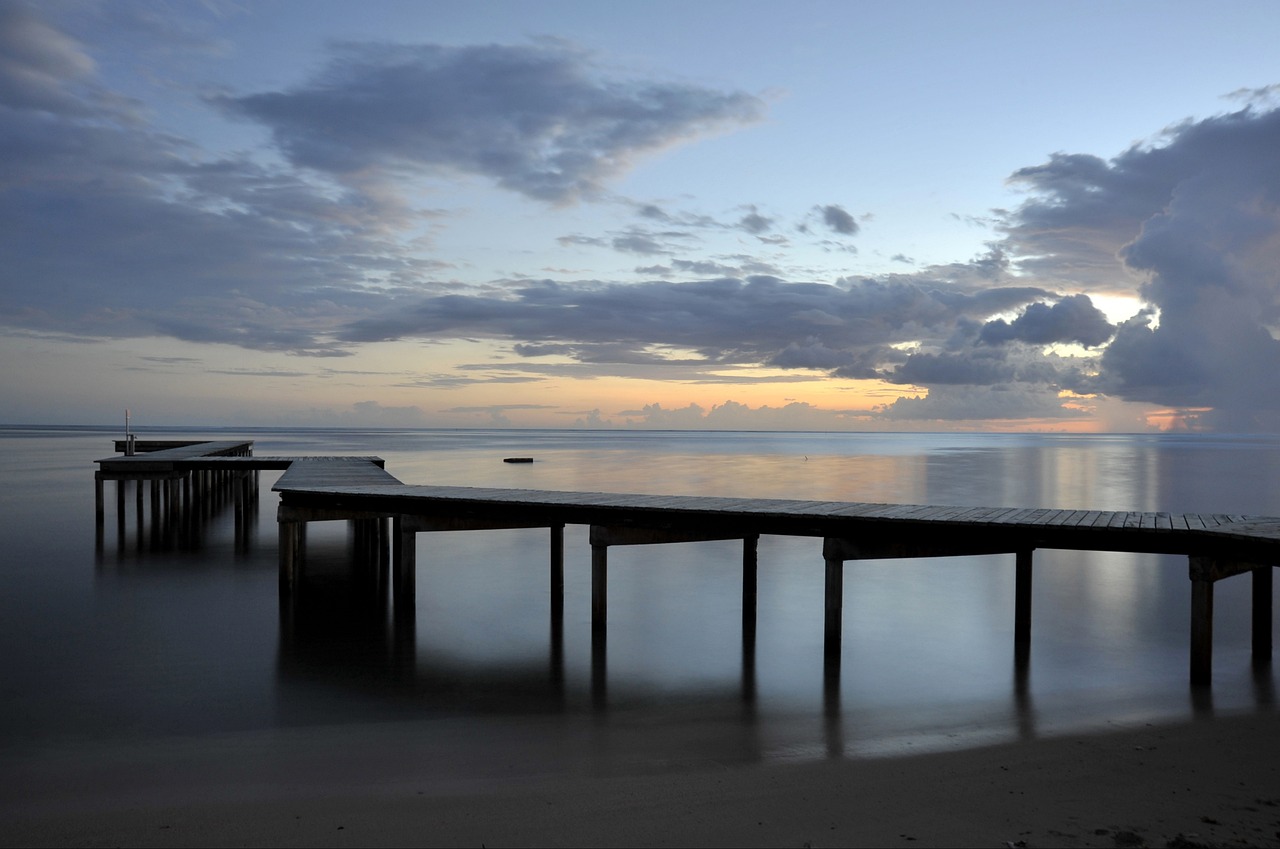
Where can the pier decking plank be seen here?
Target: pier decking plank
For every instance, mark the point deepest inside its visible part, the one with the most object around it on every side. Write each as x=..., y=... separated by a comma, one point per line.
x=334, y=471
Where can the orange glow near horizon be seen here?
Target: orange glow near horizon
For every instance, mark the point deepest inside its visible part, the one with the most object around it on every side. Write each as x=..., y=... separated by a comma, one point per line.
x=1185, y=419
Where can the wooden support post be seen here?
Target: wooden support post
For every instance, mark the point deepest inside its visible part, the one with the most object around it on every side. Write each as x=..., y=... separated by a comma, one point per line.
x=292, y=544
x=556, y=568
x=404, y=586
x=750, y=561
x=172, y=510
x=1201, y=633
x=1262, y=581
x=240, y=507
x=831, y=550
x=358, y=531
x=99, y=511
x=599, y=586
x=833, y=625
x=120, y=486
x=384, y=551
x=599, y=669
x=1022, y=599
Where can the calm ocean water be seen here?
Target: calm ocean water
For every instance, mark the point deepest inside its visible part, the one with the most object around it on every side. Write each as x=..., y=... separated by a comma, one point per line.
x=135, y=644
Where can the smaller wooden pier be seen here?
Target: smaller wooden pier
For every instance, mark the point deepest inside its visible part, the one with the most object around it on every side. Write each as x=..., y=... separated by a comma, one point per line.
x=187, y=479
x=388, y=515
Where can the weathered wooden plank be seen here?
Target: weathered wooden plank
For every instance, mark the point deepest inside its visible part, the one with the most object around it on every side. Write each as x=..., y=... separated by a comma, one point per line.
x=970, y=514
x=318, y=472
x=992, y=515
x=905, y=511
x=885, y=511
x=1015, y=516
x=927, y=513
x=860, y=510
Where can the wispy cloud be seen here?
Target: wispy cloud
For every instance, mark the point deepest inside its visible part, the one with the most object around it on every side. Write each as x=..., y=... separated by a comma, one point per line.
x=542, y=120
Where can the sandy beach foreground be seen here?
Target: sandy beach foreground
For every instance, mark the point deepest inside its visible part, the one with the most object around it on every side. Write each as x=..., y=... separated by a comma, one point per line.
x=1210, y=782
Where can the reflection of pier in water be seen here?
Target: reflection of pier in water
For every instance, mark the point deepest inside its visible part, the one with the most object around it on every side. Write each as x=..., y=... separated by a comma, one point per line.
x=190, y=484
x=386, y=516
x=341, y=633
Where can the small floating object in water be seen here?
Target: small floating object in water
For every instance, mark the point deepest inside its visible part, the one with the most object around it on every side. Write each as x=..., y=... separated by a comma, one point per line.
x=517, y=459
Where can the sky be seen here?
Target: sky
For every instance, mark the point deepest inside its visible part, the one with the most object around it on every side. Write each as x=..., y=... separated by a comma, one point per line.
x=831, y=216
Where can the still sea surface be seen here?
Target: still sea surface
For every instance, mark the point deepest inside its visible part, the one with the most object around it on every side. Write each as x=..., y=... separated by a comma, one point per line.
x=129, y=643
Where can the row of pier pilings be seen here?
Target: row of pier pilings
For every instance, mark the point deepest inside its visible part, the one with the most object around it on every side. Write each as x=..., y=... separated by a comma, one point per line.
x=173, y=509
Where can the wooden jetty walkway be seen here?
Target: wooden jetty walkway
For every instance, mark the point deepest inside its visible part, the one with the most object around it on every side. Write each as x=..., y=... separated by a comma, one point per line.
x=388, y=515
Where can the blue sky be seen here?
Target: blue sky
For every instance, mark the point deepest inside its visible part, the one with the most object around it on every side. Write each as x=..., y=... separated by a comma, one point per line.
x=855, y=216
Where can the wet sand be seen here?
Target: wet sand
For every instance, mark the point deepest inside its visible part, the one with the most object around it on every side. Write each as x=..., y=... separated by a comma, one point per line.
x=1210, y=782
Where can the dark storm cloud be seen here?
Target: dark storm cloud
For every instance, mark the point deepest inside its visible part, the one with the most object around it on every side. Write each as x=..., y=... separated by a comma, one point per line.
x=975, y=367
x=1195, y=218
x=539, y=120
x=730, y=321
x=1072, y=319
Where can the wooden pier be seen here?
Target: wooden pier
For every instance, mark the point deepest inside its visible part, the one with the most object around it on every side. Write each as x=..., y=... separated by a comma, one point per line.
x=388, y=515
